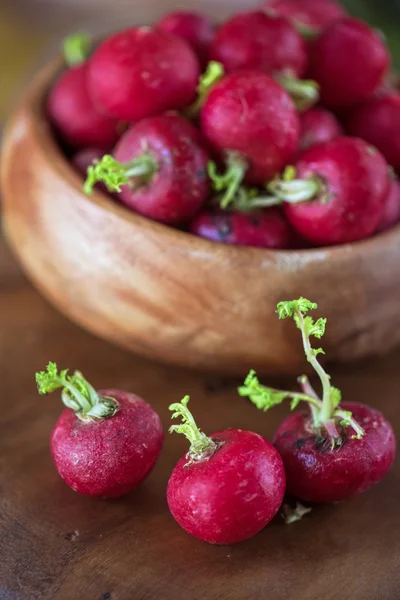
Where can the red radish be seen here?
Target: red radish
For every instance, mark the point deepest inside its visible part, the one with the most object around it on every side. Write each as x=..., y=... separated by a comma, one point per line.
x=378, y=122
x=106, y=442
x=254, y=40
x=260, y=228
x=142, y=71
x=336, y=193
x=228, y=486
x=161, y=164
x=349, y=62
x=193, y=27
x=308, y=16
x=391, y=214
x=250, y=114
x=74, y=115
x=334, y=450
x=318, y=125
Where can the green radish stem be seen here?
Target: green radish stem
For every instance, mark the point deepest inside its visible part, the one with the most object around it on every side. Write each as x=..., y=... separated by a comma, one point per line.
x=202, y=447
x=229, y=182
x=304, y=92
x=212, y=75
x=326, y=413
x=76, y=48
x=114, y=174
x=77, y=393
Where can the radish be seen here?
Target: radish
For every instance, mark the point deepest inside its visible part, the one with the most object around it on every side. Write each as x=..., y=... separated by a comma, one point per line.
x=251, y=122
x=228, y=486
x=391, y=213
x=318, y=125
x=257, y=228
x=336, y=192
x=332, y=451
x=256, y=41
x=161, y=164
x=105, y=443
x=142, y=71
x=70, y=108
x=378, y=122
x=193, y=27
x=310, y=17
x=349, y=62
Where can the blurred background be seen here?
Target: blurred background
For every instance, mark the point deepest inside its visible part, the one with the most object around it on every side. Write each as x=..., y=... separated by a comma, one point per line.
x=31, y=30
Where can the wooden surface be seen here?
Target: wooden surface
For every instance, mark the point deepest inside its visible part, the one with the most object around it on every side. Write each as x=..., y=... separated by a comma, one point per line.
x=176, y=297
x=57, y=545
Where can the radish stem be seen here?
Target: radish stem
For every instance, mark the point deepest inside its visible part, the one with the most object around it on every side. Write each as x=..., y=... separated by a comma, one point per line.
x=296, y=190
x=77, y=393
x=76, y=48
x=115, y=174
x=201, y=446
x=231, y=180
x=212, y=75
x=304, y=92
x=326, y=414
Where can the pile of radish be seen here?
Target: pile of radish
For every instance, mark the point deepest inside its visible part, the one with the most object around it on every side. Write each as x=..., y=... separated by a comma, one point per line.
x=276, y=128
x=230, y=484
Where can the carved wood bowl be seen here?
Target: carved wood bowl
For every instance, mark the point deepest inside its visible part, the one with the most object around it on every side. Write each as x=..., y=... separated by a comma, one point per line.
x=171, y=296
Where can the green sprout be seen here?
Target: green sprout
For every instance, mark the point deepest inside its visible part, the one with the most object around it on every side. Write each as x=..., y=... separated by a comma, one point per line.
x=76, y=48
x=201, y=446
x=115, y=174
x=326, y=412
x=77, y=393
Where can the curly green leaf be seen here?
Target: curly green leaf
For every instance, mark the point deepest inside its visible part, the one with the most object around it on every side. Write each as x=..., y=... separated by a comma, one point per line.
x=264, y=397
x=108, y=170
x=77, y=393
x=289, y=308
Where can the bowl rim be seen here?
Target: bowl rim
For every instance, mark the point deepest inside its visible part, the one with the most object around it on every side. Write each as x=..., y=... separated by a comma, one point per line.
x=34, y=101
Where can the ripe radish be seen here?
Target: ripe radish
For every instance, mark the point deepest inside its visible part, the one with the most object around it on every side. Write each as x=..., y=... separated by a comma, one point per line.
x=142, y=71
x=256, y=41
x=257, y=228
x=70, y=107
x=193, y=27
x=334, y=450
x=105, y=443
x=252, y=122
x=318, y=125
x=349, y=62
x=161, y=164
x=391, y=213
x=228, y=486
x=308, y=16
x=378, y=122
x=336, y=192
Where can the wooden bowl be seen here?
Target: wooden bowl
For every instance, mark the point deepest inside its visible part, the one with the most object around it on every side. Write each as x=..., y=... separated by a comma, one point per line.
x=174, y=297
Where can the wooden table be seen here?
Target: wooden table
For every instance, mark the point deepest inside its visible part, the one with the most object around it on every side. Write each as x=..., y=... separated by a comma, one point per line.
x=57, y=545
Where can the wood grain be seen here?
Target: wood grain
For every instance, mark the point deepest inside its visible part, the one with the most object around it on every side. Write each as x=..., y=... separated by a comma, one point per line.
x=174, y=297
x=57, y=545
